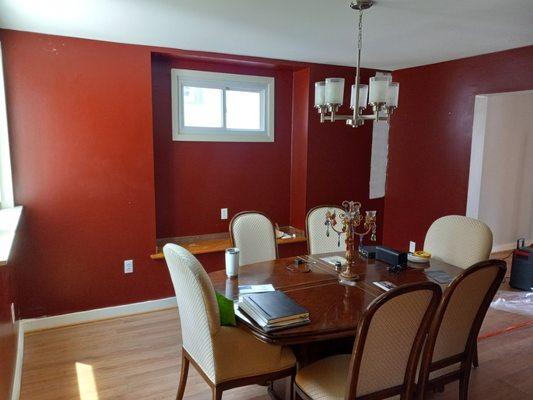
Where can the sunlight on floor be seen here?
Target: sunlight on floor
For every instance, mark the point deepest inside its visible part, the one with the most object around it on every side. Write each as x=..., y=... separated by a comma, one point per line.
x=86, y=382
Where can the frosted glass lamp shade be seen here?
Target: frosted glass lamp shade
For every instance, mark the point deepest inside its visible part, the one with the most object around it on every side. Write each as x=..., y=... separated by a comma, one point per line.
x=363, y=96
x=334, y=90
x=393, y=92
x=320, y=93
x=379, y=88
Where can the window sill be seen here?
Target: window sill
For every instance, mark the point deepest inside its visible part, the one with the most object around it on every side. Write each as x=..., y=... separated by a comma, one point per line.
x=218, y=242
x=9, y=220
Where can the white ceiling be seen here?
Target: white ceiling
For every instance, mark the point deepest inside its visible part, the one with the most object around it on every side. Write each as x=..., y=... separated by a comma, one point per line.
x=398, y=33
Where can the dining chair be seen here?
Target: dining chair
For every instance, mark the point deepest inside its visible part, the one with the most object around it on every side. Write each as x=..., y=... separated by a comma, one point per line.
x=459, y=240
x=255, y=236
x=317, y=240
x=385, y=355
x=450, y=345
x=225, y=356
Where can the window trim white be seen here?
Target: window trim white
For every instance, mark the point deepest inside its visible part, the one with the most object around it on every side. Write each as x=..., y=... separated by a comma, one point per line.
x=263, y=84
x=6, y=179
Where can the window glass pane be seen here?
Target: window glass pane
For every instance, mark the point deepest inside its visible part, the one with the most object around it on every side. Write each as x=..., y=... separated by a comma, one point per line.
x=243, y=110
x=202, y=107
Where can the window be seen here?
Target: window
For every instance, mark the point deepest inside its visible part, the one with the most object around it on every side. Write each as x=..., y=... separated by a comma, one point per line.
x=6, y=183
x=217, y=107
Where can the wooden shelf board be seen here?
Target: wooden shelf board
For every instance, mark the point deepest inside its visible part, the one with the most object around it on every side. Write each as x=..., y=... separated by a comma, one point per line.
x=217, y=242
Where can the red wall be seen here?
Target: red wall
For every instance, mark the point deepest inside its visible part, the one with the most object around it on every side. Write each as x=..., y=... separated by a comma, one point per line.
x=338, y=155
x=8, y=336
x=194, y=180
x=430, y=137
x=299, y=147
x=81, y=140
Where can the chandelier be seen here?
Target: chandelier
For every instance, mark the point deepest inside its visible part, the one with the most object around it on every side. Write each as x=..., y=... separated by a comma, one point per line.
x=381, y=94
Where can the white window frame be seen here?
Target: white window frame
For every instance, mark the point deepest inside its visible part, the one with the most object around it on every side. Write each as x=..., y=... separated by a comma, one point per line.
x=263, y=85
x=6, y=180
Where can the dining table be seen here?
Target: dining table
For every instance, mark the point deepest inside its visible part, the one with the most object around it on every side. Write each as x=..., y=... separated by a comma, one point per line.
x=335, y=306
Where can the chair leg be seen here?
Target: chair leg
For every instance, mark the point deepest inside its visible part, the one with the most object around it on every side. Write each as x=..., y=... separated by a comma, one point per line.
x=463, y=388
x=217, y=393
x=292, y=387
x=183, y=376
x=464, y=381
x=475, y=360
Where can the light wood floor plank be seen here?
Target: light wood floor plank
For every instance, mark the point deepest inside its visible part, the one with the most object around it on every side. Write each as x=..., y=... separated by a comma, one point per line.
x=137, y=357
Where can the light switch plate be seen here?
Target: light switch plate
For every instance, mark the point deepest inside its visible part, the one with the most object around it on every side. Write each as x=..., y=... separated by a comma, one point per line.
x=223, y=213
x=412, y=247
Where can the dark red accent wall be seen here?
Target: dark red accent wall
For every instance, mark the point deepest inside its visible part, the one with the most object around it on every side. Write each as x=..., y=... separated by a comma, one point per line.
x=430, y=137
x=82, y=152
x=86, y=118
x=194, y=180
x=330, y=161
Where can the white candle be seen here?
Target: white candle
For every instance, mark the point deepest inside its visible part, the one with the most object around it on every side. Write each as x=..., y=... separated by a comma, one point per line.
x=378, y=90
x=320, y=93
x=392, y=96
x=334, y=90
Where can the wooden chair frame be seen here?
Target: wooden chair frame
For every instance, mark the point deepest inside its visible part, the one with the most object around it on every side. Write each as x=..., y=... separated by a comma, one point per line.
x=469, y=355
x=217, y=389
x=307, y=223
x=407, y=389
x=232, y=238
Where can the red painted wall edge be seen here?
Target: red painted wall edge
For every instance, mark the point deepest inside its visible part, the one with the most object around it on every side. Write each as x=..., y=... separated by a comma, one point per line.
x=430, y=137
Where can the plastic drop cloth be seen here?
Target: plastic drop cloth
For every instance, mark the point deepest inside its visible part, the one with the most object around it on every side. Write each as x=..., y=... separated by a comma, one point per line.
x=513, y=301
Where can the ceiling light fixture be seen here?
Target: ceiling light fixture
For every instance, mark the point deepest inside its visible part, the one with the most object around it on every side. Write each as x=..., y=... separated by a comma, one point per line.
x=381, y=94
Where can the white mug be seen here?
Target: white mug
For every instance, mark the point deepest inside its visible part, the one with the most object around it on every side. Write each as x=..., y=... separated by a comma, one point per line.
x=232, y=262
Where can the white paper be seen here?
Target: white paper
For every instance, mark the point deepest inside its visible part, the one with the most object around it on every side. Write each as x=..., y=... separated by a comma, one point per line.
x=334, y=259
x=248, y=289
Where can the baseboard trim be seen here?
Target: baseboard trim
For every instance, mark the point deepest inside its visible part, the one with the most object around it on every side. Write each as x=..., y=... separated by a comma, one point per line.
x=17, y=376
x=57, y=321
x=508, y=246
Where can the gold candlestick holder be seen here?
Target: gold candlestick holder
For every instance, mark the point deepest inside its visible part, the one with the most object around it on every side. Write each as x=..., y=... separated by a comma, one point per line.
x=349, y=220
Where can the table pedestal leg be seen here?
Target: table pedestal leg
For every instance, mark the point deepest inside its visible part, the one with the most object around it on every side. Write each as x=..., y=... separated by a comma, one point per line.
x=280, y=389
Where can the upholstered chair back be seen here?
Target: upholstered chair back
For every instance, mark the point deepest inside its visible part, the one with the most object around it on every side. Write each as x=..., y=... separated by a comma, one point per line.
x=459, y=240
x=197, y=306
x=317, y=240
x=389, y=340
x=458, y=319
x=253, y=233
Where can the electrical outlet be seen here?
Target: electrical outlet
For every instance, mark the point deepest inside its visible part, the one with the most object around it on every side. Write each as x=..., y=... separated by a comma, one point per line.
x=128, y=266
x=13, y=318
x=412, y=247
x=223, y=213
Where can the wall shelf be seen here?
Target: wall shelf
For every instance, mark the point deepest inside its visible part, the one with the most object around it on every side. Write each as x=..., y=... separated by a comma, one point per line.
x=218, y=242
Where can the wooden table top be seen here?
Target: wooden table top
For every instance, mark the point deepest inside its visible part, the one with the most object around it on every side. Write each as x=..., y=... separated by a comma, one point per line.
x=335, y=309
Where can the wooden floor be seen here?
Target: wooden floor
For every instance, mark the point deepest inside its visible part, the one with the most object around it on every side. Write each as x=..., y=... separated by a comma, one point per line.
x=137, y=357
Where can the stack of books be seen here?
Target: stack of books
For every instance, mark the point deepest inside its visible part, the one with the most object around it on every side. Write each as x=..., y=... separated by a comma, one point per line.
x=273, y=310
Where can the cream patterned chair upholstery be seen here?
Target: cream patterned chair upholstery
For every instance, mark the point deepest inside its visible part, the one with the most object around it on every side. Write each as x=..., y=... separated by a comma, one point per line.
x=317, y=241
x=223, y=355
x=453, y=333
x=253, y=233
x=459, y=240
x=386, y=351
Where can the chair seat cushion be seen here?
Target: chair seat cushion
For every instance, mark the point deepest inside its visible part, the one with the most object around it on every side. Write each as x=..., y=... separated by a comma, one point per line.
x=325, y=379
x=239, y=354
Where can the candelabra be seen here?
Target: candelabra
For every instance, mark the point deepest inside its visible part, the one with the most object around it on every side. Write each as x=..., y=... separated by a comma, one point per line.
x=350, y=219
